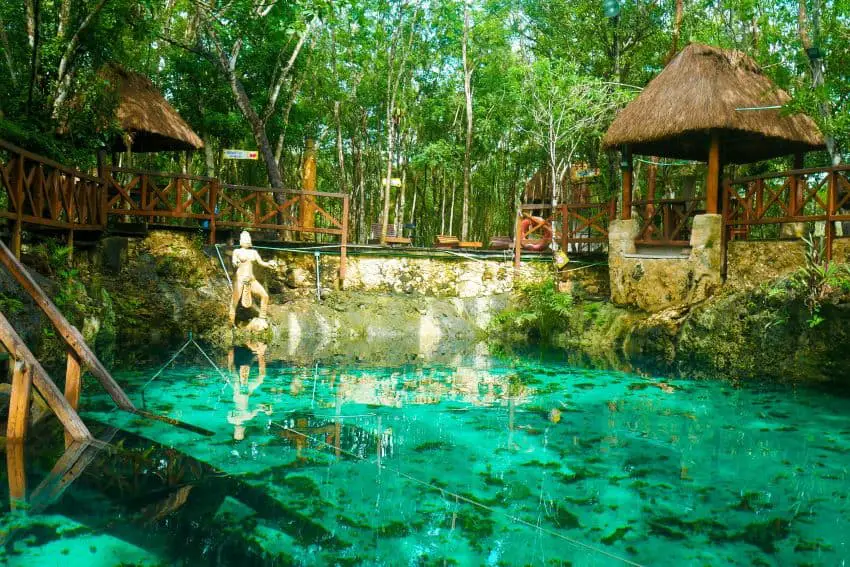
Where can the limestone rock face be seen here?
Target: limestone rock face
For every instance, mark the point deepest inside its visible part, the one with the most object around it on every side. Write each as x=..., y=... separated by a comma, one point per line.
x=653, y=283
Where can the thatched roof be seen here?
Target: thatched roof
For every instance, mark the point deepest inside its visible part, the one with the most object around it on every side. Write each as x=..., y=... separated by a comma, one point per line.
x=152, y=123
x=700, y=91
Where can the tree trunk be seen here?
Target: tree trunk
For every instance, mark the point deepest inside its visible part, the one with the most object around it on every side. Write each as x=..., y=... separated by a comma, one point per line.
x=467, y=89
x=361, y=179
x=33, y=25
x=817, y=68
x=677, y=29
x=443, y=201
x=4, y=43
x=209, y=158
x=343, y=183
x=452, y=211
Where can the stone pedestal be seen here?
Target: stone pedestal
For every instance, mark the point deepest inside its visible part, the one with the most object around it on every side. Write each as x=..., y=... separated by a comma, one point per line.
x=654, y=283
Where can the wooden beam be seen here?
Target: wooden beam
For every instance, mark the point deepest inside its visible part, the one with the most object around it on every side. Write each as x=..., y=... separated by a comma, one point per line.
x=626, y=167
x=72, y=336
x=19, y=406
x=712, y=183
x=45, y=386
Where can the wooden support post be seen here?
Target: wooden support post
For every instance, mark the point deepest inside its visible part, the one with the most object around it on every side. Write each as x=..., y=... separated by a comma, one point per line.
x=16, y=469
x=626, y=168
x=19, y=406
x=73, y=338
x=343, y=246
x=73, y=386
x=517, y=243
x=712, y=182
x=797, y=186
x=55, y=400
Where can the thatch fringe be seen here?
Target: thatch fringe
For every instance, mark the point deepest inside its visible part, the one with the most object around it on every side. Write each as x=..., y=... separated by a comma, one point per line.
x=152, y=123
x=701, y=90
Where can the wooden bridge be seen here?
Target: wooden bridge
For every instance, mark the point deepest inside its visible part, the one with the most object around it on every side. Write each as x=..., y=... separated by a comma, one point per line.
x=39, y=192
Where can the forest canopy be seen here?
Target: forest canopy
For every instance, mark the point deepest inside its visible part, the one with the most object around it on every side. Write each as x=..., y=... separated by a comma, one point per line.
x=461, y=101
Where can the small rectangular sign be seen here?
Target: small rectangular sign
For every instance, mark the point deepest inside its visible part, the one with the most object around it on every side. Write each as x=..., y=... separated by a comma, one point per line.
x=240, y=154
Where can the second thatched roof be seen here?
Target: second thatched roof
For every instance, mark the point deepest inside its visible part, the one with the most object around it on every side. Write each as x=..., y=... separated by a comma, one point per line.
x=703, y=89
x=151, y=122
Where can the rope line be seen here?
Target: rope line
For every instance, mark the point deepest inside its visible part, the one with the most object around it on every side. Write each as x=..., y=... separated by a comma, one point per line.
x=458, y=497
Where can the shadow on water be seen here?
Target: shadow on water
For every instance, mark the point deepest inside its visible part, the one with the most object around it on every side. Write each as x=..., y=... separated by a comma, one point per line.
x=144, y=494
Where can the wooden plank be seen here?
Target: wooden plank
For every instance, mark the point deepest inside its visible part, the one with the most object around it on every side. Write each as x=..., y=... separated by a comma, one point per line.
x=45, y=386
x=73, y=338
x=712, y=183
x=19, y=405
x=16, y=469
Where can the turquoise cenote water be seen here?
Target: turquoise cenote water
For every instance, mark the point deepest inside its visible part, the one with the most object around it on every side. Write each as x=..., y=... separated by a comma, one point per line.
x=484, y=462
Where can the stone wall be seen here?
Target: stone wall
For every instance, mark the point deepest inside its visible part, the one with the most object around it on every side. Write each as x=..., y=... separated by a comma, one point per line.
x=653, y=283
x=433, y=277
x=752, y=263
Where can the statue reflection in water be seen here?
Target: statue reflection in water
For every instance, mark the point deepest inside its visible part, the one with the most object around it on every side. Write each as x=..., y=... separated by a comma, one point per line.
x=244, y=358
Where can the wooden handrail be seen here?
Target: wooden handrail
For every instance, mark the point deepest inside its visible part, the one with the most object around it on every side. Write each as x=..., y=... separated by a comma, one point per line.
x=73, y=338
x=789, y=173
x=289, y=191
x=46, y=161
x=42, y=382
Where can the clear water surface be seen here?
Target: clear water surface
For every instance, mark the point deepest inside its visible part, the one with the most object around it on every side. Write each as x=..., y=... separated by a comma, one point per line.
x=484, y=462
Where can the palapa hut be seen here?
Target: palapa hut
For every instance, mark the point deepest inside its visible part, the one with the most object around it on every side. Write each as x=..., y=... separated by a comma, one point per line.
x=712, y=105
x=150, y=123
x=709, y=105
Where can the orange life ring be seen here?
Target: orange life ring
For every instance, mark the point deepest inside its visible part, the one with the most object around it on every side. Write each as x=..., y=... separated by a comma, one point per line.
x=537, y=244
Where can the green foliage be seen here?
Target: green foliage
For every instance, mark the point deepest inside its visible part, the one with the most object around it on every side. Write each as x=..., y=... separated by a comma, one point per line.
x=10, y=305
x=817, y=282
x=538, y=311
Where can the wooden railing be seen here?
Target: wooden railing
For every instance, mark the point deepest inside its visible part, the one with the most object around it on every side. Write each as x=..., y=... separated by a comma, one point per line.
x=576, y=227
x=167, y=197
x=35, y=190
x=666, y=222
x=302, y=212
x=38, y=191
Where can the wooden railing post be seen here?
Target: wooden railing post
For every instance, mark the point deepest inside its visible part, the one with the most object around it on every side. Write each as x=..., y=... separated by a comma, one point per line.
x=15, y=468
x=19, y=405
x=73, y=387
x=829, y=230
x=343, y=248
x=18, y=225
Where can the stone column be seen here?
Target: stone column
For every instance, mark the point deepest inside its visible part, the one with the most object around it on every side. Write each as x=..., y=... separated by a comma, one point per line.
x=706, y=258
x=621, y=241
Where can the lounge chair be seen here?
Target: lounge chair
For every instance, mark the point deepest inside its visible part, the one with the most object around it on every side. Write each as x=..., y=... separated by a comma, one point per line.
x=447, y=241
x=391, y=235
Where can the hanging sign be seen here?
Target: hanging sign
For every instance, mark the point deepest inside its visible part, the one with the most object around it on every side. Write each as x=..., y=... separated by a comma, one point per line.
x=582, y=172
x=241, y=154
x=394, y=182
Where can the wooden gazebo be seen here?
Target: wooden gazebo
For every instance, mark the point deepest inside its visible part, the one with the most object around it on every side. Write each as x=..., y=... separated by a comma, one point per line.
x=711, y=105
x=149, y=122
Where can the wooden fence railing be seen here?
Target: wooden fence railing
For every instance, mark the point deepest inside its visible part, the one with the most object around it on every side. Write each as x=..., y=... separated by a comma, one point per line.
x=168, y=197
x=666, y=222
x=576, y=227
x=758, y=206
x=36, y=190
